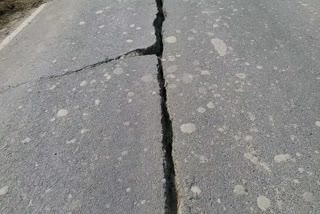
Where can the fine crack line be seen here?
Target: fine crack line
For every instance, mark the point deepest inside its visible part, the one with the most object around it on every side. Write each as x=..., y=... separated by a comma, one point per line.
x=155, y=49
x=151, y=50
x=171, y=193
x=134, y=53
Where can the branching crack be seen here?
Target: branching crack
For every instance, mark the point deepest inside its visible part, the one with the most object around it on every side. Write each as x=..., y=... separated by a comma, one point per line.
x=155, y=49
x=171, y=193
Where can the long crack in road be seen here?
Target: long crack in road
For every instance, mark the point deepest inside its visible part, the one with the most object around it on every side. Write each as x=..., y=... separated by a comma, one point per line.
x=170, y=188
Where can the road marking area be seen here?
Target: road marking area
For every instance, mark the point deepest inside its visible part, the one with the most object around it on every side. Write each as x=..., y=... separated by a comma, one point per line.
x=20, y=28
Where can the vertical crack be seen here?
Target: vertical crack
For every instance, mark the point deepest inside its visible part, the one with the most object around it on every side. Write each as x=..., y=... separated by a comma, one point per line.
x=171, y=192
x=171, y=195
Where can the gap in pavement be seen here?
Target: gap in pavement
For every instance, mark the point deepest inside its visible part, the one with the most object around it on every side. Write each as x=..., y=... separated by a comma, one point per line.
x=170, y=186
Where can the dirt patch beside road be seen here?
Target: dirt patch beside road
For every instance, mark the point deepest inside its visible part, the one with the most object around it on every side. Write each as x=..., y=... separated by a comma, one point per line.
x=12, y=10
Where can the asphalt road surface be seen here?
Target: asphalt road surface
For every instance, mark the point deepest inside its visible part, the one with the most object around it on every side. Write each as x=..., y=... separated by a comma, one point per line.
x=244, y=95
x=221, y=114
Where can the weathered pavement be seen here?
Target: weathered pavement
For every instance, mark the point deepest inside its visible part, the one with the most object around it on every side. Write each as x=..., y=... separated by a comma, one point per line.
x=232, y=110
x=89, y=142
x=244, y=95
x=68, y=35
x=77, y=137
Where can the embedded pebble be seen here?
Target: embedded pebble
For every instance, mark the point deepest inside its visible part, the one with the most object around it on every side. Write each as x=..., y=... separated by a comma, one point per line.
x=71, y=141
x=107, y=75
x=248, y=138
x=172, y=68
x=147, y=78
x=259, y=67
x=210, y=105
x=97, y=102
x=84, y=131
x=171, y=58
x=241, y=75
x=296, y=181
x=251, y=116
x=308, y=196
x=118, y=71
x=171, y=39
x=130, y=94
x=196, y=190
x=263, y=202
x=4, y=190
x=188, y=128
x=62, y=113
x=202, y=90
x=219, y=46
x=52, y=87
x=239, y=190
x=205, y=72
x=83, y=83
x=171, y=76
x=187, y=78
x=201, y=110
x=281, y=158
x=27, y=140
x=248, y=155
x=172, y=86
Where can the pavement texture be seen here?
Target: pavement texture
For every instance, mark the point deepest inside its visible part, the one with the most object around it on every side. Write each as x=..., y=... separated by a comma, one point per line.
x=244, y=95
x=88, y=142
x=223, y=117
x=68, y=35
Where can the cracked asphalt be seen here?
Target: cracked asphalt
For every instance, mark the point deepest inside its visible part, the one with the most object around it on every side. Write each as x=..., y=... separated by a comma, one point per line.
x=158, y=106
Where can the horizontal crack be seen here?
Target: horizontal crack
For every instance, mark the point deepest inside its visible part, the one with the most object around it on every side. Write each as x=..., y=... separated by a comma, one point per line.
x=137, y=52
x=171, y=193
x=155, y=49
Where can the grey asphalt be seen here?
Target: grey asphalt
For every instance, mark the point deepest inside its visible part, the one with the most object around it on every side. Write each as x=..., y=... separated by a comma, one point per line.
x=68, y=35
x=242, y=90
x=244, y=95
x=88, y=142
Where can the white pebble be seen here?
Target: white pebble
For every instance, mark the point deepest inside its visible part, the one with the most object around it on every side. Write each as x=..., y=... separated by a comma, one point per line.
x=188, y=128
x=62, y=113
x=171, y=39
